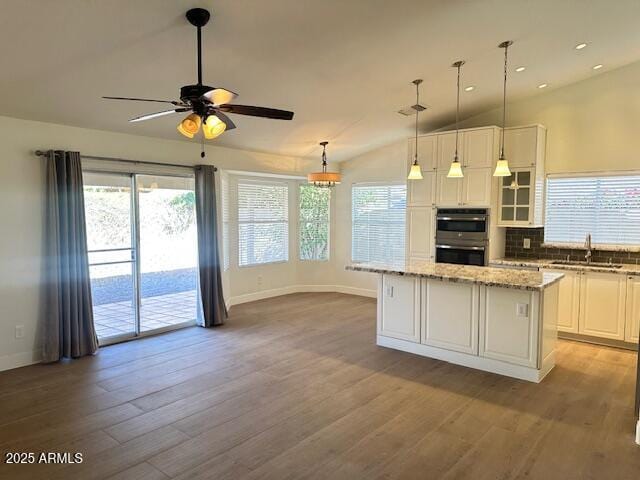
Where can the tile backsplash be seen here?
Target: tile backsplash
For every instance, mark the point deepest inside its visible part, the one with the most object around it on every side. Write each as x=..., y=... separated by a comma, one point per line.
x=514, y=249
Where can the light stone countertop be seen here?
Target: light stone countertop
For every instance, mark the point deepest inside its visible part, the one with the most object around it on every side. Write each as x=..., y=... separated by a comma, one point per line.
x=626, y=269
x=493, y=277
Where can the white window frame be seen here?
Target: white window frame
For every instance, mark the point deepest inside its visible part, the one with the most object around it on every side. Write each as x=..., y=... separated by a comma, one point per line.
x=299, y=225
x=259, y=180
x=377, y=184
x=602, y=246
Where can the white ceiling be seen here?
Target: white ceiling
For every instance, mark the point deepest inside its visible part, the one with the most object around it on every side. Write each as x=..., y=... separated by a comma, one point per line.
x=343, y=66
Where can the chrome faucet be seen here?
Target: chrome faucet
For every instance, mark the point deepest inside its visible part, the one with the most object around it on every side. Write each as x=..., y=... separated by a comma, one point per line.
x=587, y=245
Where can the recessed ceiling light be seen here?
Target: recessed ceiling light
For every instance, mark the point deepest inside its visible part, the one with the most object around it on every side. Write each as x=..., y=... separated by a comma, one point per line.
x=542, y=85
x=521, y=69
x=580, y=46
x=597, y=67
x=469, y=88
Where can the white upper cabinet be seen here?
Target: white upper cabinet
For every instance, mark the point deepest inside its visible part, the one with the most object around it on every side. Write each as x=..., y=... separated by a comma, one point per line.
x=479, y=148
x=521, y=145
x=447, y=149
x=476, y=187
x=422, y=193
x=449, y=190
x=427, y=151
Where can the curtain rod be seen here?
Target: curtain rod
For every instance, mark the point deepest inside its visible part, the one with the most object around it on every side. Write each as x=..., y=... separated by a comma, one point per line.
x=41, y=153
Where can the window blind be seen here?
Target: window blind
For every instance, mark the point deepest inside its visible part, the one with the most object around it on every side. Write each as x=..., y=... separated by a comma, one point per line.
x=378, y=223
x=263, y=222
x=224, y=180
x=608, y=207
x=314, y=222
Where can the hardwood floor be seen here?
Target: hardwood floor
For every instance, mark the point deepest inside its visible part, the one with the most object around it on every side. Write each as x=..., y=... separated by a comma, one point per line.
x=295, y=387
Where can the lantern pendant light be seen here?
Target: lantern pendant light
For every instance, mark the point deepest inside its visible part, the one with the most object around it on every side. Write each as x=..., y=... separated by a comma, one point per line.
x=324, y=179
x=455, y=171
x=416, y=172
x=502, y=166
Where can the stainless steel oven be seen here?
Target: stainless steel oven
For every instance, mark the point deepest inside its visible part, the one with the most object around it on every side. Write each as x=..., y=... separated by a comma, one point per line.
x=462, y=236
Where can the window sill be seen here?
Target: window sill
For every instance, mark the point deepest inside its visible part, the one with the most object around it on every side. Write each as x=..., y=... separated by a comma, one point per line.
x=595, y=246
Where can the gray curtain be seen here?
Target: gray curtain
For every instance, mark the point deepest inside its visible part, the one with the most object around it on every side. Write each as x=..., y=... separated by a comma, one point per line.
x=213, y=310
x=68, y=325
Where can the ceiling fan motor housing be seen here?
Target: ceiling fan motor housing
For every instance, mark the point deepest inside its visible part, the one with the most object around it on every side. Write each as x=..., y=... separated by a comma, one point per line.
x=193, y=93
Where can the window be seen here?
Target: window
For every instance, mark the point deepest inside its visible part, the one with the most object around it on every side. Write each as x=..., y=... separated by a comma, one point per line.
x=314, y=222
x=224, y=180
x=608, y=207
x=263, y=222
x=378, y=223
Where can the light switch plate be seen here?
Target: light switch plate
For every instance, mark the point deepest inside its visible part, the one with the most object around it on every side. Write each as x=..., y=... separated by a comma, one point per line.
x=526, y=243
x=522, y=309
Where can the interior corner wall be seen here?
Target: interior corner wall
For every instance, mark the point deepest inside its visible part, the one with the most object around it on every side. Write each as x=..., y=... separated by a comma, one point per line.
x=385, y=164
x=22, y=182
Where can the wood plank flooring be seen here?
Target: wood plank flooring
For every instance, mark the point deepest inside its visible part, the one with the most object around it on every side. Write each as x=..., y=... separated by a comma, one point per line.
x=295, y=387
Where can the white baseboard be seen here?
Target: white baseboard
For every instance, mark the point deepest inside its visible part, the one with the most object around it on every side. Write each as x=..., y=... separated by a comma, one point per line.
x=16, y=360
x=638, y=432
x=276, y=292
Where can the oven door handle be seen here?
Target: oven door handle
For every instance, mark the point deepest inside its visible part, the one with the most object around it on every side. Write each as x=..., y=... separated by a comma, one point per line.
x=459, y=247
x=464, y=219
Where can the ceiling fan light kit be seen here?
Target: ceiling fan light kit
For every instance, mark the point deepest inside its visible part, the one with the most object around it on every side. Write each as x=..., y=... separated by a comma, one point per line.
x=208, y=105
x=324, y=179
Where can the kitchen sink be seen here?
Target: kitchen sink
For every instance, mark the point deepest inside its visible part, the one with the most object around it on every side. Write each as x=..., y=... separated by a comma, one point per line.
x=586, y=264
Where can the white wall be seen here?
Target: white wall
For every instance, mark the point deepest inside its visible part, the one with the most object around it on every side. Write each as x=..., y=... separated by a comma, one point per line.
x=591, y=125
x=22, y=201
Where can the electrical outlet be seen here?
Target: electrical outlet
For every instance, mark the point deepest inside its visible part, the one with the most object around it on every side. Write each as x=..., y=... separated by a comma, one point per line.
x=526, y=243
x=522, y=309
x=19, y=331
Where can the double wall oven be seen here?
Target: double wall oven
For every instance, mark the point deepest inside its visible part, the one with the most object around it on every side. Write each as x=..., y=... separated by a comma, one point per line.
x=462, y=236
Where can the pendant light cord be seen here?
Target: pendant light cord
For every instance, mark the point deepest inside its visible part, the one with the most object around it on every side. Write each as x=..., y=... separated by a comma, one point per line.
x=504, y=99
x=415, y=158
x=459, y=65
x=324, y=159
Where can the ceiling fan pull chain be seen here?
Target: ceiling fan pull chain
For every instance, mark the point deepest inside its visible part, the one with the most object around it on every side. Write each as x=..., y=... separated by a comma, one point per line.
x=202, y=154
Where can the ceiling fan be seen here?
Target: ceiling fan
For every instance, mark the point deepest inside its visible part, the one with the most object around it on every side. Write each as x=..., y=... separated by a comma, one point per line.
x=208, y=105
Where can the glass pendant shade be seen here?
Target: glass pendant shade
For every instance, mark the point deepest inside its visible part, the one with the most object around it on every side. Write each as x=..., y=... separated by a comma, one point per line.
x=415, y=173
x=502, y=169
x=190, y=125
x=455, y=171
x=213, y=127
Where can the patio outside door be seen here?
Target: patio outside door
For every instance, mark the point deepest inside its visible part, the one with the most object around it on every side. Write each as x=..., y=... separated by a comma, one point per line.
x=142, y=243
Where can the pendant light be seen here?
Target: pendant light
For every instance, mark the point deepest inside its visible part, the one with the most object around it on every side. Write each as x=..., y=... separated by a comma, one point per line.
x=502, y=166
x=416, y=172
x=455, y=171
x=324, y=179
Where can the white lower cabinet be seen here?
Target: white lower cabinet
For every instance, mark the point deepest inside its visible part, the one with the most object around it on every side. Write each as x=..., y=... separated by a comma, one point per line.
x=450, y=315
x=509, y=325
x=399, y=307
x=632, y=325
x=602, y=305
x=568, y=301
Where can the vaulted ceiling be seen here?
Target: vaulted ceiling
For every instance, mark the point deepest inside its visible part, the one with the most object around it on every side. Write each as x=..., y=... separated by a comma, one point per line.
x=343, y=66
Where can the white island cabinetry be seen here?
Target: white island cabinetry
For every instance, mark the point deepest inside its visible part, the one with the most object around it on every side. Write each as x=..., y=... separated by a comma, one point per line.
x=497, y=320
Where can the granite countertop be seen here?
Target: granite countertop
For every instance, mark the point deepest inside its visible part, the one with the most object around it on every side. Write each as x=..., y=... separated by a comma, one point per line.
x=626, y=269
x=494, y=277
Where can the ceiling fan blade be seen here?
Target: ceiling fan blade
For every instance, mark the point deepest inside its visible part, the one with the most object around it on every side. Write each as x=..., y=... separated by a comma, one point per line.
x=226, y=120
x=149, y=116
x=171, y=102
x=219, y=96
x=257, y=111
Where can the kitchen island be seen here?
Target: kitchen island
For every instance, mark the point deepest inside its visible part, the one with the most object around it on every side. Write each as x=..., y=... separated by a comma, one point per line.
x=493, y=319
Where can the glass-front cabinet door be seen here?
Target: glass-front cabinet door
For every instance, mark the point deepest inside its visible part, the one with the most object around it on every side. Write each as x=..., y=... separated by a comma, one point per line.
x=516, y=198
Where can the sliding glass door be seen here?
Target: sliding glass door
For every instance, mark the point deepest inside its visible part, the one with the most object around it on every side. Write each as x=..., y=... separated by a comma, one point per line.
x=141, y=237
